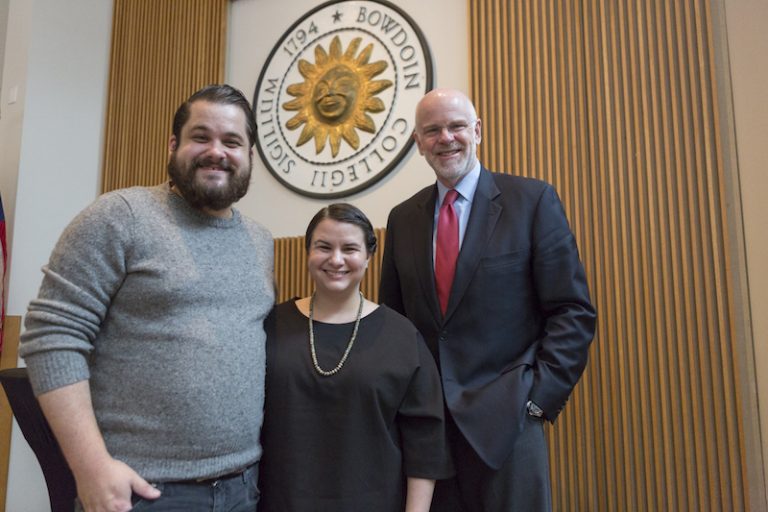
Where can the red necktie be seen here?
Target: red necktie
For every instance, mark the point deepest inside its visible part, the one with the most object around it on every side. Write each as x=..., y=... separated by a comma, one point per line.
x=446, y=248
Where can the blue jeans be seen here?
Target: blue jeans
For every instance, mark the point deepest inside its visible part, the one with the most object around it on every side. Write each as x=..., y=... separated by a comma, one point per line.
x=237, y=493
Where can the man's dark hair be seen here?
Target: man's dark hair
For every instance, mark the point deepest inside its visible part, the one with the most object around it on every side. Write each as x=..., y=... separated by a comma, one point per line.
x=218, y=93
x=343, y=212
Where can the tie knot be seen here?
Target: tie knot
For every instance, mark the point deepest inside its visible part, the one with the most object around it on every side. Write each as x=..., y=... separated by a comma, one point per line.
x=450, y=197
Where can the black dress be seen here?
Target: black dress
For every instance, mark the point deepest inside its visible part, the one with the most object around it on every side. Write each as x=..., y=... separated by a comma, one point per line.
x=345, y=443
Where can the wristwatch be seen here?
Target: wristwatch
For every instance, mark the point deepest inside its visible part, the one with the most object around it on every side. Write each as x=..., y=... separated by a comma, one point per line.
x=534, y=410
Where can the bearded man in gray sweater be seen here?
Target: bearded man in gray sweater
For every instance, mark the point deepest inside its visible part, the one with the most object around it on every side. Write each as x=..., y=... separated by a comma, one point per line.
x=145, y=345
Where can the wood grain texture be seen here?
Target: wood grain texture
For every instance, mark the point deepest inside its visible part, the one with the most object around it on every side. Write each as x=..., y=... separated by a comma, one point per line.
x=8, y=359
x=161, y=53
x=616, y=104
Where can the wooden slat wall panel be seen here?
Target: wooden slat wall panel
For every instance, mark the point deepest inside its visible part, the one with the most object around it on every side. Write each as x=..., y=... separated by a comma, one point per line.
x=293, y=279
x=9, y=359
x=615, y=103
x=162, y=51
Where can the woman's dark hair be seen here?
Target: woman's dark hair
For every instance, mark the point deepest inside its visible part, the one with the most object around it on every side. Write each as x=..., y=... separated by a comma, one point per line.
x=343, y=212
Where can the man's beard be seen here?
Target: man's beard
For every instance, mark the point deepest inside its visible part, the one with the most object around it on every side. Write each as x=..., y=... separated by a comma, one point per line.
x=200, y=196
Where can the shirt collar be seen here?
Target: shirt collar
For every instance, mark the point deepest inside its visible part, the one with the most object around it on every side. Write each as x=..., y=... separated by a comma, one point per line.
x=465, y=187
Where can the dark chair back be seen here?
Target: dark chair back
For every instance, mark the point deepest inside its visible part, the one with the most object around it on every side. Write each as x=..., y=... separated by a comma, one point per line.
x=29, y=416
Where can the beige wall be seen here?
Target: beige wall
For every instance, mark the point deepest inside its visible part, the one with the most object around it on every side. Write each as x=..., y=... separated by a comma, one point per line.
x=50, y=157
x=747, y=33
x=251, y=38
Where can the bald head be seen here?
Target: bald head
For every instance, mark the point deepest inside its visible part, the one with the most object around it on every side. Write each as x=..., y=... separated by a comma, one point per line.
x=447, y=133
x=441, y=98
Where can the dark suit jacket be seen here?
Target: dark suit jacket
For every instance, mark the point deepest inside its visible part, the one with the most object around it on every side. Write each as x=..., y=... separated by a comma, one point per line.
x=519, y=320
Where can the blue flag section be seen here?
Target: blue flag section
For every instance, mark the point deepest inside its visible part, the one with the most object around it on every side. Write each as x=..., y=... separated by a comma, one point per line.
x=3, y=260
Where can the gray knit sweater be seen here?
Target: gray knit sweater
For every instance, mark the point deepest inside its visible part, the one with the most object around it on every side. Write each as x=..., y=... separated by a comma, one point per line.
x=161, y=307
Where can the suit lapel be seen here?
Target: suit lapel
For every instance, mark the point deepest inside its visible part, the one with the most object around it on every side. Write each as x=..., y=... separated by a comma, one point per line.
x=482, y=220
x=423, y=226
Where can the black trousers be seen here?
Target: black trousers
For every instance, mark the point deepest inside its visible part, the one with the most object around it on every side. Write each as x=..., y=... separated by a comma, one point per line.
x=520, y=485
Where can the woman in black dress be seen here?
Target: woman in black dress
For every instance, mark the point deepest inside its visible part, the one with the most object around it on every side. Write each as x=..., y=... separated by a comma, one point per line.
x=354, y=409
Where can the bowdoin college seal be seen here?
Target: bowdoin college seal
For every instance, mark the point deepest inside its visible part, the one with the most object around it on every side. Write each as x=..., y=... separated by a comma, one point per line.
x=335, y=100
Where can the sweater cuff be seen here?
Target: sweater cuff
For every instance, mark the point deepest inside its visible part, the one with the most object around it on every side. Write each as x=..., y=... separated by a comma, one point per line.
x=55, y=369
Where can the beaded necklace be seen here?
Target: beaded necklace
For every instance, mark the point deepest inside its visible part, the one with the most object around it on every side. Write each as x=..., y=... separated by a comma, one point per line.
x=319, y=370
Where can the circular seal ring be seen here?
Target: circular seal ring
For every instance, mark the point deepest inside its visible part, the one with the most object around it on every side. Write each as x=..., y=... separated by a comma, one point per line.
x=335, y=99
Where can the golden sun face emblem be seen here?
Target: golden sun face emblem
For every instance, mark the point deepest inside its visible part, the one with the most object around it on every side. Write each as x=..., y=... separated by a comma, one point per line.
x=336, y=95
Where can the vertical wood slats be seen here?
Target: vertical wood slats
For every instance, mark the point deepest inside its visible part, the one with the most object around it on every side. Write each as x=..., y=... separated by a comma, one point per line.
x=9, y=359
x=161, y=53
x=293, y=280
x=615, y=103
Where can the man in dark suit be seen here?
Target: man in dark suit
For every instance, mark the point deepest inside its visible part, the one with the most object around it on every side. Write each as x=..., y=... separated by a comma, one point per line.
x=492, y=279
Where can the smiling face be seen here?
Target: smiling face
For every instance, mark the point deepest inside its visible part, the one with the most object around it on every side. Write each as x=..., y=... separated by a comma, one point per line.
x=335, y=95
x=337, y=257
x=447, y=134
x=210, y=163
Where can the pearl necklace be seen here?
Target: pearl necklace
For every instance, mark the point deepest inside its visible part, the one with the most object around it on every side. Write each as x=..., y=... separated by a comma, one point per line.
x=349, y=345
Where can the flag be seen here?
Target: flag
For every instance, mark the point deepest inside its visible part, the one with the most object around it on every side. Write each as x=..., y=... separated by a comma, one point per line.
x=3, y=260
